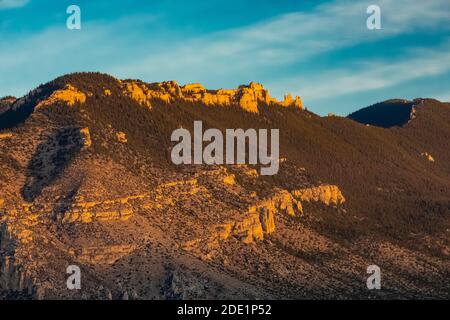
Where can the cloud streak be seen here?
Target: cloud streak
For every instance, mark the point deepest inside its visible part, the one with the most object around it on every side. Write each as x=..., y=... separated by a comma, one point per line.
x=375, y=75
x=289, y=38
x=9, y=4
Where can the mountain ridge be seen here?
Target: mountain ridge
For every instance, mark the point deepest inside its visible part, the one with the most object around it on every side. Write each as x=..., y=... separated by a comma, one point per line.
x=86, y=179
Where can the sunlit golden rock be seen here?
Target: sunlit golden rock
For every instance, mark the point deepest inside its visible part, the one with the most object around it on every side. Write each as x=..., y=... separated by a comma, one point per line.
x=25, y=236
x=6, y=135
x=224, y=231
x=298, y=102
x=248, y=97
x=326, y=194
x=86, y=137
x=247, y=101
x=138, y=93
x=249, y=230
x=121, y=137
x=230, y=179
x=193, y=88
x=260, y=219
x=69, y=95
x=102, y=254
x=428, y=156
x=290, y=102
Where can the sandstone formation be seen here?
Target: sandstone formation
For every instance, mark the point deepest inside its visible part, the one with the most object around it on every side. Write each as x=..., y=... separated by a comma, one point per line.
x=6, y=135
x=121, y=137
x=13, y=276
x=289, y=101
x=260, y=218
x=69, y=95
x=428, y=156
x=326, y=194
x=102, y=255
x=248, y=97
x=85, y=133
x=230, y=179
x=137, y=92
x=86, y=212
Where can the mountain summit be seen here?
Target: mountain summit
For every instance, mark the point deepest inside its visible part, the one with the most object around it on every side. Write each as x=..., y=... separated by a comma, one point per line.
x=86, y=179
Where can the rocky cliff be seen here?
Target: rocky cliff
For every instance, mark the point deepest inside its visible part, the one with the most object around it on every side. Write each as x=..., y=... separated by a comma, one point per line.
x=248, y=97
x=86, y=179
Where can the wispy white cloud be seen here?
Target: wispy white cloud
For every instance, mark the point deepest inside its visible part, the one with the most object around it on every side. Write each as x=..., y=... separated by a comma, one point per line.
x=8, y=4
x=288, y=38
x=375, y=75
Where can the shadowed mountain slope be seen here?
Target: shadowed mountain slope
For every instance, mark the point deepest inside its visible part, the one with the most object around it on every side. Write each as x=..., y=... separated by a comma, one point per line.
x=386, y=114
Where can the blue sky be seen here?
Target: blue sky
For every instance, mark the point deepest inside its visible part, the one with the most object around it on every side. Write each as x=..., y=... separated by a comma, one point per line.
x=320, y=50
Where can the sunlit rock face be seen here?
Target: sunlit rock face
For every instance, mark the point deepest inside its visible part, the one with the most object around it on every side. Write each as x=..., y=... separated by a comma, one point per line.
x=248, y=97
x=69, y=95
x=326, y=194
x=87, y=179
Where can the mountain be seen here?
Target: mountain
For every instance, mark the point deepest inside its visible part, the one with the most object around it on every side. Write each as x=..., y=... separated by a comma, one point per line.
x=86, y=179
x=387, y=114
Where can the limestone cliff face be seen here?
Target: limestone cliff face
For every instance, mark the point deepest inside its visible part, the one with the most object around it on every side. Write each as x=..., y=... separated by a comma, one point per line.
x=260, y=219
x=102, y=255
x=326, y=194
x=86, y=212
x=248, y=97
x=289, y=101
x=6, y=135
x=70, y=95
x=13, y=277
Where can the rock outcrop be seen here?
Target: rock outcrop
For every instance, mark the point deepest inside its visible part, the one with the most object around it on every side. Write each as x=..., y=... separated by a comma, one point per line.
x=13, y=277
x=248, y=97
x=86, y=136
x=428, y=156
x=260, y=219
x=229, y=179
x=69, y=95
x=121, y=137
x=102, y=254
x=326, y=194
x=6, y=135
x=87, y=212
x=138, y=92
x=290, y=102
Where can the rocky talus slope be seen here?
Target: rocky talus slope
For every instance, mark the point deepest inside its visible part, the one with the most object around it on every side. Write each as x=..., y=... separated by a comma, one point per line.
x=86, y=179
